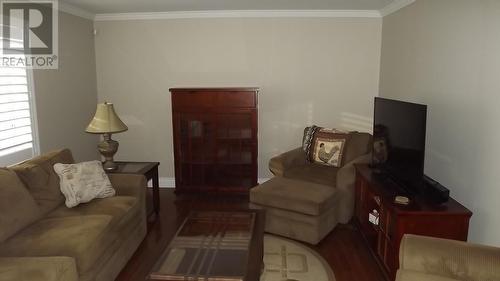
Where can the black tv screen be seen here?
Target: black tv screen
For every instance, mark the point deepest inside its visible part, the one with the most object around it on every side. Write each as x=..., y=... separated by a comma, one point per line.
x=399, y=139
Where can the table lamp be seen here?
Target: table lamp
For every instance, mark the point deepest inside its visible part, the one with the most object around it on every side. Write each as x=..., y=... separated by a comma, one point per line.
x=106, y=122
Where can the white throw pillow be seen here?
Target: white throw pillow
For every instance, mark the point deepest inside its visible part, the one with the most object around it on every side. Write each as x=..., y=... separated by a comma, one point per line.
x=83, y=182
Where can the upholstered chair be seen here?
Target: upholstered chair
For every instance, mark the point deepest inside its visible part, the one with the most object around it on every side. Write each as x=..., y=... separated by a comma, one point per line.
x=435, y=259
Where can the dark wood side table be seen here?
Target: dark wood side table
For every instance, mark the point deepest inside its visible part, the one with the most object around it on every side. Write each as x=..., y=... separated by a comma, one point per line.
x=150, y=171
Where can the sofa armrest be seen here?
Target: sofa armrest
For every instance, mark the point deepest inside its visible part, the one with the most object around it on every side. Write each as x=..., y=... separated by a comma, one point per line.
x=346, y=176
x=38, y=269
x=128, y=184
x=449, y=258
x=279, y=164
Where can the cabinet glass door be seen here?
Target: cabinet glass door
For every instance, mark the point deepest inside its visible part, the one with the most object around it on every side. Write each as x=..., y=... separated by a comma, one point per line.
x=235, y=153
x=197, y=142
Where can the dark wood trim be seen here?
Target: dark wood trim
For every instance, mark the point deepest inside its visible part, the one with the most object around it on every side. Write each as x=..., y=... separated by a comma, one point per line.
x=233, y=89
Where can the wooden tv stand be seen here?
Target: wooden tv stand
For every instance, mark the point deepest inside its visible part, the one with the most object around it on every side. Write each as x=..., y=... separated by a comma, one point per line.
x=449, y=220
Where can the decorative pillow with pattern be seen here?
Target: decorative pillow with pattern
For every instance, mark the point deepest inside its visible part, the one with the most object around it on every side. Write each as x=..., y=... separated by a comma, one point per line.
x=328, y=147
x=308, y=137
x=82, y=182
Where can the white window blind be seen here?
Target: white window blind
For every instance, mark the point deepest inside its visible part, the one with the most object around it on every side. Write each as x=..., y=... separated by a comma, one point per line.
x=17, y=130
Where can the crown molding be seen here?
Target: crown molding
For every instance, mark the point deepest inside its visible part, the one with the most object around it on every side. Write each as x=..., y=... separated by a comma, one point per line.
x=395, y=6
x=241, y=14
x=76, y=11
x=387, y=10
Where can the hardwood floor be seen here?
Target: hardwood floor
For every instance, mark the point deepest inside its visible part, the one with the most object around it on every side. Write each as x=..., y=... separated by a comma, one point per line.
x=343, y=248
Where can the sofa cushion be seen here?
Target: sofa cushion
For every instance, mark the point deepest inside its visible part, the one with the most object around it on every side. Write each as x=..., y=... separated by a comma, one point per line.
x=119, y=208
x=294, y=195
x=314, y=173
x=38, y=269
x=17, y=207
x=82, y=182
x=84, y=238
x=41, y=180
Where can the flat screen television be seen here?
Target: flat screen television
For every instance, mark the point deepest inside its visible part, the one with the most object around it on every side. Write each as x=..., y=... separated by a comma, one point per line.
x=399, y=141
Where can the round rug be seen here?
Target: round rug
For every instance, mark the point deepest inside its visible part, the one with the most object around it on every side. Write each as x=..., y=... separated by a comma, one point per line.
x=287, y=260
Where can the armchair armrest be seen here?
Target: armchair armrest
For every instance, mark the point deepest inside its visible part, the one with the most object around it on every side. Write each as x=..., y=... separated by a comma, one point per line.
x=449, y=258
x=279, y=164
x=38, y=269
x=346, y=177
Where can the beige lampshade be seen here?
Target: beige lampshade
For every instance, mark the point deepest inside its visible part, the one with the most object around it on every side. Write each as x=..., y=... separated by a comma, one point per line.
x=106, y=120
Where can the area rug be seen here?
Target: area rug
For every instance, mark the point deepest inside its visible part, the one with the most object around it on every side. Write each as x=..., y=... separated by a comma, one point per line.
x=287, y=260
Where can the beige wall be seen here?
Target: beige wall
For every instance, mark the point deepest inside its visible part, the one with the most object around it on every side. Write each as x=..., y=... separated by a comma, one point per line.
x=66, y=98
x=447, y=54
x=310, y=71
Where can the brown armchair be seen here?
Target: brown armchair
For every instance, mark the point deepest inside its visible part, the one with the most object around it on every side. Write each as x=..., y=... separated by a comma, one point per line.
x=293, y=165
x=304, y=201
x=435, y=259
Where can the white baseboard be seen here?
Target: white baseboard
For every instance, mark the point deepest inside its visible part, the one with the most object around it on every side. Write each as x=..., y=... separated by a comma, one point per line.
x=262, y=180
x=166, y=182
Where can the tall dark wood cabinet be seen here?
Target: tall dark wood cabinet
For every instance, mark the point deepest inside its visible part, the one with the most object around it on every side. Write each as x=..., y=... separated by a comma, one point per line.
x=375, y=195
x=215, y=139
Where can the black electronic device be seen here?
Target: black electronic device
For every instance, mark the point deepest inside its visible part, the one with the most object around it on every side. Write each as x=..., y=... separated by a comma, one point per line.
x=399, y=141
x=434, y=192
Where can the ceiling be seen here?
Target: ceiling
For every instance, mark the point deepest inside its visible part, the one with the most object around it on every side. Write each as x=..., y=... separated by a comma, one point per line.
x=146, y=6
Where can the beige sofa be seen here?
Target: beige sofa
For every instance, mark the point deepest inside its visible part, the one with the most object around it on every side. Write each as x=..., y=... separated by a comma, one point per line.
x=435, y=259
x=42, y=239
x=304, y=201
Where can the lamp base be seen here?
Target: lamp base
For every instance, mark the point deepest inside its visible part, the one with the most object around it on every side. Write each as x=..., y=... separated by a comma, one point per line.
x=108, y=147
x=109, y=166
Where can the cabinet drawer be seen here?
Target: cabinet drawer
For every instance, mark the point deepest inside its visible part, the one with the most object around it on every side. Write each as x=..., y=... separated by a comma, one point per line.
x=236, y=99
x=213, y=98
x=193, y=99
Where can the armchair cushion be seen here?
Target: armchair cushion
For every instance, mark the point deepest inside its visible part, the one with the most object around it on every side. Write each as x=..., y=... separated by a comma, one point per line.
x=328, y=147
x=280, y=164
x=324, y=146
x=315, y=173
x=307, y=139
x=298, y=196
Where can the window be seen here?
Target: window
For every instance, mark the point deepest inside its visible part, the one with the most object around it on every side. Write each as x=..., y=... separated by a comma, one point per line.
x=17, y=125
